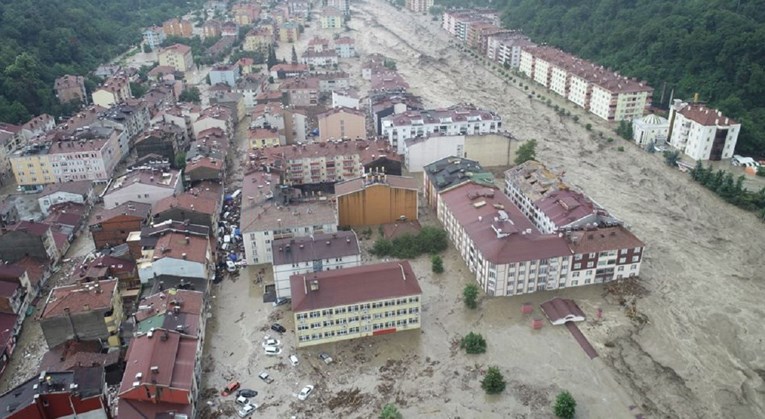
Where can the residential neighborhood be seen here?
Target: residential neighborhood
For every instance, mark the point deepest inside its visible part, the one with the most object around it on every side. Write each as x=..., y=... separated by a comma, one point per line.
x=340, y=208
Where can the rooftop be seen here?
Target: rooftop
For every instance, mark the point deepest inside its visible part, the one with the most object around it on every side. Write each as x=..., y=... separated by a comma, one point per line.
x=535, y=180
x=79, y=298
x=452, y=171
x=177, y=48
x=82, y=187
x=452, y=114
x=131, y=208
x=361, y=183
x=203, y=200
x=367, y=150
x=603, y=239
x=31, y=227
x=173, y=309
x=156, y=178
x=565, y=206
x=316, y=247
x=341, y=109
x=270, y=216
x=497, y=228
x=180, y=246
x=703, y=115
x=73, y=354
x=171, y=352
x=353, y=285
x=89, y=383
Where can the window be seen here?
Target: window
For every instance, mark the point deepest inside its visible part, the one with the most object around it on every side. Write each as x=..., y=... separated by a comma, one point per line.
x=591, y=255
x=578, y=257
x=575, y=275
x=635, y=258
x=590, y=264
x=577, y=266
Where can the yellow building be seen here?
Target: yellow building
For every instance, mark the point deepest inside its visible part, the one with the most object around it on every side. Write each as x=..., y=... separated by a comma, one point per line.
x=376, y=199
x=258, y=39
x=342, y=123
x=289, y=32
x=356, y=302
x=261, y=137
x=32, y=166
x=331, y=18
x=177, y=56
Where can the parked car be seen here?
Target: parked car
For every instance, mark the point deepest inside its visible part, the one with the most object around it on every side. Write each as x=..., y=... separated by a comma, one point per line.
x=305, y=392
x=246, y=392
x=246, y=410
x=276, y=327
x=294, y=360
x=271, y=342
x=230, y=388
x=282, y=301
x=325, y=357
x=242, y=400
x=272, y=350
x=230, y=266
x=265, y=377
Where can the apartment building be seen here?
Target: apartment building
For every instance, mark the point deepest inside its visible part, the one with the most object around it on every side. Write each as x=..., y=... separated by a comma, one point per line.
x=345, y=47
x=455, y=120
x=448, y=173
x=331, y=18
x=258, y=39
x=493, y=149
x=89, y=311
x=419, y=6
x=342, y=123
x=317, y=253
x=325, y=58
x=111, y=227
x=346, y=98
x=596, y=89
x=91, y=154
x=289, y=32
x=456, y=21
x=142, y=185
x=78, y=191
x=31, y=166
x=153, y=37
x=262, y=223
x=343, y=5
x=211, y=28
x=224, y=73
x=702, y=133
x=301, y=92
x=245, y=13
x=179, y=255
x=175, y=27
x=328, y=161
x=351, y=303
x=505, y=48
x=70, y=88
x=177, y=56
x=28, y=238
x=199, y=205
x=214, y=117
x=115, y=90
x=376, y=198
x=261, y=138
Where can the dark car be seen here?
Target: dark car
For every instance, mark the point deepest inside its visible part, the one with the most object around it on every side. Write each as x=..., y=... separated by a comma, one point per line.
x=276, y=327
x=246, y=392
x=282, y=301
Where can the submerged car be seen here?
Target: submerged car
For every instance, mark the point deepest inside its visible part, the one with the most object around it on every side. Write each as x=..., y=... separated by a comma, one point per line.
x=305, y=392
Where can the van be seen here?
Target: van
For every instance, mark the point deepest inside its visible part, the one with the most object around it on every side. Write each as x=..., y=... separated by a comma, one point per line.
x=272, y=350
x=236, y=193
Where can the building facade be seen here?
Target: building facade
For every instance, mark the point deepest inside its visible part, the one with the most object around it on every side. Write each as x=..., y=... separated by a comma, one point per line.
x=702, y=133
x=419, y=6
x=342, y=123
x=177, y=56
x=650, y=129
x=376, y=198
x=70, y=88
x=351, y=303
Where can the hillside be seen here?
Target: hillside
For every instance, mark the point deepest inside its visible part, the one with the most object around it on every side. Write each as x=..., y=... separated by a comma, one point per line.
x=713, y=47
x=43, y=39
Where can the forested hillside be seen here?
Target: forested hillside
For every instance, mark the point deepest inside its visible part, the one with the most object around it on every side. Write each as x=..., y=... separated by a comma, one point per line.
x=713, y=47
x=43, y=39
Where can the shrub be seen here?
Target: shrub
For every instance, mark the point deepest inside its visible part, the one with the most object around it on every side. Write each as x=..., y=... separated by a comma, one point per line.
x=527, y=151
x=473, y=343
x=390, y=411
x=493, y=382
x=620, y=148
x=470, y=295
x=671, y=157
x=438, y=264
x=408, y=246
x=588, y=127
x=565, y=405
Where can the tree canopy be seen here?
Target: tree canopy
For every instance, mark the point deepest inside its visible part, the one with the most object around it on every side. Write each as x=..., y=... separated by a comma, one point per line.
x=714, y=47
x=41, y=40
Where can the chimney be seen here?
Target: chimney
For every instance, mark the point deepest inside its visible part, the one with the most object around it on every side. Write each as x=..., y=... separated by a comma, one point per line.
x=314, y=285
x=188, y=239
x=184, y=256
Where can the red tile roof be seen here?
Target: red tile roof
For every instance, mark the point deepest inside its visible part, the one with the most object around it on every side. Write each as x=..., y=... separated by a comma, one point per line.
x=186, y=201
x=603, y=239
x=179, y=48
x=8, y=287
x=134, y=209
x=188, y=302
x=170, y=351
x=562, y=310
x=72, y=354
x=35, y=269
x=706, y=116
x=173, y=245
x=31, y=227
x=79, y=298
x=564, y=207
x=353, y=285
x=82, y=187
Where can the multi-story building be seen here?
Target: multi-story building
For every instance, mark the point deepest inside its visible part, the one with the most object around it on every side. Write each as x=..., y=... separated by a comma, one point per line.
x=70, y=88
x=153, y=37
x=351, y=303
x=31, y=166
x=331, y=18
x=376, y=198
x=78, y=191
x=214, y=117
x=328, y=161
x=650, y=129
x=419, y=6
x=346, y=98
x=245, y=13
x=320, y=252
x=142, y=185
x=289, y=32
x=224, y=73
x=175, y=27
x=163, y=371
x=450, y=172
x=258, y=39
x=91, y=154
x=702, y=133
x=179, y=255
x=111, y=227
x=89, y=311
x=301, y=92
x=594, y=88
x=493, y=149
x=262, y=223
x=343, y=5
x=345, y=47
x=457, y=22
x=211, y=28
x=324, y=58
x=455, y=120
x=199, y=205
x=505, y=48
x=342, y=123
x=330, y=81
x=28, y=238
x=165, y=141
x=262, y=137
x=115, y=90
x=177, y=56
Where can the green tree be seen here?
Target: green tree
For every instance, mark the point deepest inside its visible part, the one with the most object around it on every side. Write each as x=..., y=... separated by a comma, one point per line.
x=470, y=295
x=527, y=151
x=493, y=382
x=588, y=126
x=565, y=405
x=180, y=161
x=271, y=59
x=138, y=89
x=191, y=94
x=390, y=411
x=473, y=343
x=294, y=55
x=624, y=130
x=437, y=264
x=671, y=157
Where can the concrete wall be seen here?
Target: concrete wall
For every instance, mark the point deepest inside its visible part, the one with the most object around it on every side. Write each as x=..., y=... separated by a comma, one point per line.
x=491, y=149
x=15, y=245
x=87, y=326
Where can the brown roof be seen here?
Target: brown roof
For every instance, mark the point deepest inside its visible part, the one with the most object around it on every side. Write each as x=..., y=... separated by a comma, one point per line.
x=344, y=40
x=706, y=116
x=79, y=298
x=134, y=209
x=341, y=109
x=179, y=48
x=204, y=162
x=603, y=239
x=187, y=301
x=561, y=310
x=290, y=68
x=565, y=206
x=73, y=354
x=35, y=268
x=173, y=245
x=361, y=183
x=311, y=83
x=81, y=187
x=316, y=247
x=368, y=151
x=170, y=351
x=258, y=133
x=31, y=227
x=354, y=285
x=186, y=201
x=498, y=228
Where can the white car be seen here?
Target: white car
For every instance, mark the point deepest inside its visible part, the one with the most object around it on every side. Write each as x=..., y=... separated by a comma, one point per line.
x=305, y=392
x=265, y=377
x=244, y=401
x=272, y=350
x=294, y=360
x=271, y=342
x=247, y=410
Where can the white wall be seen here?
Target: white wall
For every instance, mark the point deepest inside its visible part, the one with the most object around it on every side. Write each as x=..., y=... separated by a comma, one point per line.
x=137, y=192
x=435, y=148
x=175, y=267
x=58, y=197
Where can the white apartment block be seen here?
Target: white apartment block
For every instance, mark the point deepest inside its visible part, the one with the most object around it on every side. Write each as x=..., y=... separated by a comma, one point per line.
x=594, y=88
x=456, y=120
x=419, y=6
x=506, y=48
x=702, y=133
x=317, y=253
